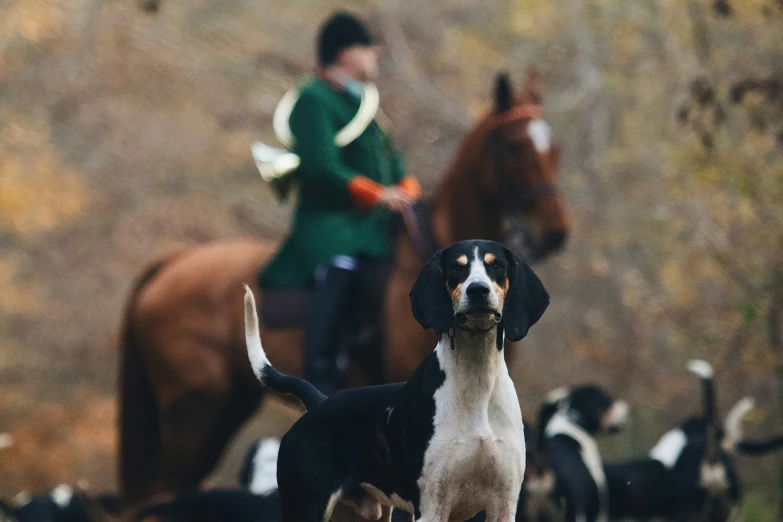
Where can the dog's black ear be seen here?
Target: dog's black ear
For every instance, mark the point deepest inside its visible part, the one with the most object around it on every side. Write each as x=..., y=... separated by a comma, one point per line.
x=526, y=300
x=430, y=301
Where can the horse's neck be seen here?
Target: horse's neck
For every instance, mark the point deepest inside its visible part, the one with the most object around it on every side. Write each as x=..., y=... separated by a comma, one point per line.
x=462, y=215
x=458, y=211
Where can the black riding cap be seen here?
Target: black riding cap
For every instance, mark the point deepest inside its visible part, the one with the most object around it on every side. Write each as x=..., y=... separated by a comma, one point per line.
x=340, y=31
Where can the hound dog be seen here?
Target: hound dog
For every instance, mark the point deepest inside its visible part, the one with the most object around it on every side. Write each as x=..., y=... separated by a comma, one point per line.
x=690, y=472
x=442, y=446
x=569, y=422
x=62, y=504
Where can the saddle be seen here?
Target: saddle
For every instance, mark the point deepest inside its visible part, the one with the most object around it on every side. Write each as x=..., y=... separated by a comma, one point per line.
x=289, y=309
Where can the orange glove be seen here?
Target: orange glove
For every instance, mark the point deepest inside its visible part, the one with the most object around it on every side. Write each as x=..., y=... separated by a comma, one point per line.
x=366, y=193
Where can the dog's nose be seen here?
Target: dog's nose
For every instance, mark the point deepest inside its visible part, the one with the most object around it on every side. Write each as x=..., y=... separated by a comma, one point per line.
x=477, y=290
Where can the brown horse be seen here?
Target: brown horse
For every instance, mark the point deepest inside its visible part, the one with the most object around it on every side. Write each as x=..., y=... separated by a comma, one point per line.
x=185, y=382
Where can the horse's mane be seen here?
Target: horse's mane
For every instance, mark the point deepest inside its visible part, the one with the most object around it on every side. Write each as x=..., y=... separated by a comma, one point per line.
x=468, y=156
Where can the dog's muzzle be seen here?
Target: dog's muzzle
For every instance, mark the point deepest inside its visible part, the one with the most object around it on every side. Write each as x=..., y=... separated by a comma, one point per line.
x=477, y=313
x=478, y=319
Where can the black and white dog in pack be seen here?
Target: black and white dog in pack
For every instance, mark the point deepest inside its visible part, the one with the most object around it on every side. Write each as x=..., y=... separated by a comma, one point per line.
x=568, y=423
x=690, y=472
x=62, y=504
x=444, y=445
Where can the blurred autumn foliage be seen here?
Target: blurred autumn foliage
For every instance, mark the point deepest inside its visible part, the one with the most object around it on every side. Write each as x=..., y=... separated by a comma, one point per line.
x=125, y=133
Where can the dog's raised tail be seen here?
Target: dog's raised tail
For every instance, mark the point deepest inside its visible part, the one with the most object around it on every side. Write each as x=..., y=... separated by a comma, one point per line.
x=267, y=375
x=734, y=438
x=732, y=425
x=705, y=372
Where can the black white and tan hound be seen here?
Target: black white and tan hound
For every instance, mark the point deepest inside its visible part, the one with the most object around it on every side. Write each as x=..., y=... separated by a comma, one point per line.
x=444, y=445
x=568, y=423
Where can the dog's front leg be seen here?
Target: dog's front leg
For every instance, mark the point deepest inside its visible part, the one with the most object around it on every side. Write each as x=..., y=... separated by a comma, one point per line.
x=386, y=513
x=503, y=510
x=435, y=505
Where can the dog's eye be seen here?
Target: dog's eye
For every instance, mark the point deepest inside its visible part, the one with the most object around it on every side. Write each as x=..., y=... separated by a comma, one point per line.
x=496, y=266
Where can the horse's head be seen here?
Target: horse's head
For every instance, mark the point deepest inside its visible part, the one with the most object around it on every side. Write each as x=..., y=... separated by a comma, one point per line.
x=518, y=167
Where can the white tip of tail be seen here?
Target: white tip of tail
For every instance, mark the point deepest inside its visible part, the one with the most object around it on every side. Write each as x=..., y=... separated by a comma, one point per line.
x=701, y=368
x=733, y=423
x=255, y=351
x=557, y=394
x=62, y=495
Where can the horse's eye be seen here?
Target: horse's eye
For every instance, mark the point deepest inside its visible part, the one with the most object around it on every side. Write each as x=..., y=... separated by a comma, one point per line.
x=515, y=147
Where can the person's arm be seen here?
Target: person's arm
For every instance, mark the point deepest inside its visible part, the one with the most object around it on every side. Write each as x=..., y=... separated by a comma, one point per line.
x=410, y=187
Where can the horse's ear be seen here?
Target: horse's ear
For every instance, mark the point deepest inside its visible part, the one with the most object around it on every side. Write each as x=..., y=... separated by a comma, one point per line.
x=430, y=301
x=504, y=95
x=533, y=85
x=526, y=299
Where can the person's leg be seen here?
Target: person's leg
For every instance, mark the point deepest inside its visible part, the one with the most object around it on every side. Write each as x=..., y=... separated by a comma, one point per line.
x=366, y=318
x=333, y=283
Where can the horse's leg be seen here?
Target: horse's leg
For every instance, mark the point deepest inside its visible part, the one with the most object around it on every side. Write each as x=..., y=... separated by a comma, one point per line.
x=241, y=404
x=194, y=398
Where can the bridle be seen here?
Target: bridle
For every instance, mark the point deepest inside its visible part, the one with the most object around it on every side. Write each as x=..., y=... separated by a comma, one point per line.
x=417, y=217
x=524, y=201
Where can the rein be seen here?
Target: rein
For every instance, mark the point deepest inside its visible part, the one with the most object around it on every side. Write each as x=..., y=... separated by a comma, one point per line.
x=417, y=219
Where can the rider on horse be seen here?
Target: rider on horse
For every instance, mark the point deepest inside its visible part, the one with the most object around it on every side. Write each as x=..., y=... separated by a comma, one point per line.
x=346, y=194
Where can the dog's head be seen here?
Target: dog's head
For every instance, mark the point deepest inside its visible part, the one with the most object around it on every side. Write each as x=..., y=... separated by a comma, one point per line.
x=476, y=285
x=594, y=409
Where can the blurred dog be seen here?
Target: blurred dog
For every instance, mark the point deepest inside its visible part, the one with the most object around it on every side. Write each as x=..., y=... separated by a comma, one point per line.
x=259, y=473
x=568, y=424
x=690, y=472
x=63, y=504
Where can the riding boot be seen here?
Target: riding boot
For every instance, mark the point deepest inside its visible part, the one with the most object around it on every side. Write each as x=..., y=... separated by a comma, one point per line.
x=332, y=286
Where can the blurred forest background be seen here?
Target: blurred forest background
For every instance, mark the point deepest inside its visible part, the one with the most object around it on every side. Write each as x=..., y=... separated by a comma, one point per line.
x=124, y=134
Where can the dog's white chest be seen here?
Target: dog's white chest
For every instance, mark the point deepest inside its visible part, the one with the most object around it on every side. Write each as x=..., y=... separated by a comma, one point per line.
x=477, y=449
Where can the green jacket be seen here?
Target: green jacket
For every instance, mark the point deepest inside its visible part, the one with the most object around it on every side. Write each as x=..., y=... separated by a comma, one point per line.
x=326, y=221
